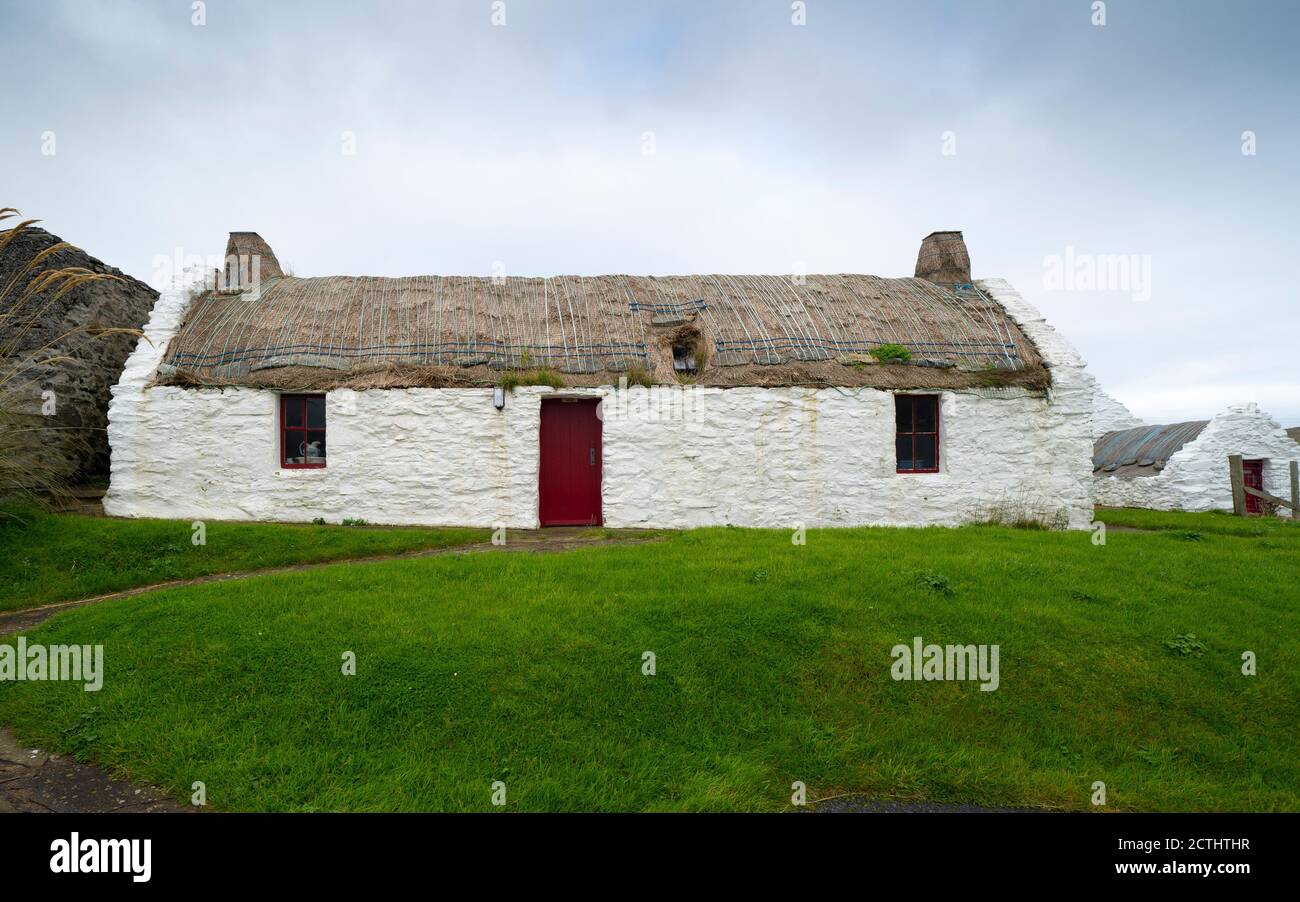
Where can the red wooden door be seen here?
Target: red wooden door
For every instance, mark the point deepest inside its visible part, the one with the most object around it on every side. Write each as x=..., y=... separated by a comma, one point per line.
x=1252, y=472
x=569, y=484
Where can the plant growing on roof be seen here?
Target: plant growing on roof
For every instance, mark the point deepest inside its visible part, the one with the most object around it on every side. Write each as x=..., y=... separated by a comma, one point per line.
x=513, y=379
x=891, y=352
x=639, y=375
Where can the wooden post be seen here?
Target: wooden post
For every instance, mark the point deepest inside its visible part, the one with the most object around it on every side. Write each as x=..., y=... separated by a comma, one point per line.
x=1238, y=485
x=1295, y=490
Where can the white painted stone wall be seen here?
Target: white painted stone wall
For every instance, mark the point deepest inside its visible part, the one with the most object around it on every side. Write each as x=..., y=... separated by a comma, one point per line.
x=775, y=457
x=1108, y=414
x=1196, y=477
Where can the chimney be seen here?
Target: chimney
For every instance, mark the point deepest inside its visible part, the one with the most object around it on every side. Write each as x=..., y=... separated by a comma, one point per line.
x=943, y=259
x=249, y=257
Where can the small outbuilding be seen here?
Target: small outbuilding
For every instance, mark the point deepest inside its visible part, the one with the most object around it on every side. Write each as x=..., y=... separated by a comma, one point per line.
x=1185, y=466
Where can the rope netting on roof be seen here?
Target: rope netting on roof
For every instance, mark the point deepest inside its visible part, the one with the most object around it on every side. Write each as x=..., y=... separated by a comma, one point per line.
x=584, y=323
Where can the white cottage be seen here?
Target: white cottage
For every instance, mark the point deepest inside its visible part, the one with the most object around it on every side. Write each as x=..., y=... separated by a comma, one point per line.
x=1184, y=466
x=617, y=400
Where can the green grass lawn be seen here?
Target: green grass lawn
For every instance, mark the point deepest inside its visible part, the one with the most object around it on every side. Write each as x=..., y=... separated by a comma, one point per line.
x=773, y=665
x=1216, y=522
x=52, y=557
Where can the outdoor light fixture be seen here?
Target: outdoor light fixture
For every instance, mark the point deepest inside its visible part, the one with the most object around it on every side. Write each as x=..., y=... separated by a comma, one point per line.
x=499, y=398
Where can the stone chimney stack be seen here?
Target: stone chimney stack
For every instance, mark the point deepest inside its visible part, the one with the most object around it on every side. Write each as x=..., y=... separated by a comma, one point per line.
x=943, y=259
x=248, y=256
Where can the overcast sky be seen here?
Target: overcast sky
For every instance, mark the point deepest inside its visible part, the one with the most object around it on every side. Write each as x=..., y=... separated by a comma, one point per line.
x=684, y=137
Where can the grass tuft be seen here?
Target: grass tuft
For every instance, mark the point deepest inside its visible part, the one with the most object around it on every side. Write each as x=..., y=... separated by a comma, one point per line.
x=512, y=379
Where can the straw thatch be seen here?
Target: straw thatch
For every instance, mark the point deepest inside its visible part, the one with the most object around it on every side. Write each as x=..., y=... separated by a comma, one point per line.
x=448, y=330
x=943, y=259
x=243, y=247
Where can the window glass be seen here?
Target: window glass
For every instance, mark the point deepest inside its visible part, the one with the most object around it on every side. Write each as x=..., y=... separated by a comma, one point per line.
x=903, y=414
x=903, y=447
x=923, y=457
x=293, y=446
x=315, y=450
x=316, y=413
x=925, y=413
x=292, y=411
x=683, y=359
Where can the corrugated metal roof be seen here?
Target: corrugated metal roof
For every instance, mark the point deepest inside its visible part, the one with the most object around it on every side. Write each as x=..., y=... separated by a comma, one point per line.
x=1147, y=447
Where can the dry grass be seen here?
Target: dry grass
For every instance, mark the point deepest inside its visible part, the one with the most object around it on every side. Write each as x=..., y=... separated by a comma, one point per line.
x=1021, y=512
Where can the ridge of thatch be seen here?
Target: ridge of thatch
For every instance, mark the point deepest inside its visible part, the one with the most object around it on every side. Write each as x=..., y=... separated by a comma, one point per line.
x=345, y=331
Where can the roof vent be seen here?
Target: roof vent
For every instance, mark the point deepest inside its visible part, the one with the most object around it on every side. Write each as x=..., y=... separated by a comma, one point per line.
x=943, y=259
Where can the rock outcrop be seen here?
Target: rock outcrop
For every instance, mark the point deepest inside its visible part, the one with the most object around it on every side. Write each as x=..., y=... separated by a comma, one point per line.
x=60, y=351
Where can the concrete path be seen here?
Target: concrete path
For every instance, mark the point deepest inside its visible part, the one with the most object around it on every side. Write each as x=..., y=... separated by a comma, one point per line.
x=35, y=781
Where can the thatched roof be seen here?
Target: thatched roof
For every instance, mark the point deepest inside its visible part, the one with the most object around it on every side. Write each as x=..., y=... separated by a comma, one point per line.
x=745, y=330
x=1143, y=450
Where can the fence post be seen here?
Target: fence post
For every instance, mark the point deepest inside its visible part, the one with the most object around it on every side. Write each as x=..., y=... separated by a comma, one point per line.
x=1295, y=490
x=1238, y=485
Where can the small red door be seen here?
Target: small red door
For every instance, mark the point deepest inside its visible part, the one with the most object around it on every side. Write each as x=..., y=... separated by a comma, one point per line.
x=1252, y=472
x=569, y=485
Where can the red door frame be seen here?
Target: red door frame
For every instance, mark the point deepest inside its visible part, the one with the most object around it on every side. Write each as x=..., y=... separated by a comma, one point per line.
x=1252, y=474
x=570, y=464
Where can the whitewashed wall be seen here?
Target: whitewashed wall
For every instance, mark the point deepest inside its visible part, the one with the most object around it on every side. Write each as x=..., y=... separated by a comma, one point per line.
x=672, y=457
x=1108, y=414
x=1196, y=477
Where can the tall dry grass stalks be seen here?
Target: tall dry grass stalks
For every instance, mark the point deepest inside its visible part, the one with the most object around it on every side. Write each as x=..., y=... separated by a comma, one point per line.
x=29, y=471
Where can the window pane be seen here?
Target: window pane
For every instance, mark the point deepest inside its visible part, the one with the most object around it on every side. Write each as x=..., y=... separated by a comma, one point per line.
x=924, y=457
x=316, y=413
x=903, y=414
x=316, y=446
x=903, y=448
x=294, y=449
x=292, y=411
x=926, y=414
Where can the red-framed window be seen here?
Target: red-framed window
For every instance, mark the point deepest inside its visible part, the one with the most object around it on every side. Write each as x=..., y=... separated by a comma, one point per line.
x=302, y=431
x=916, y=436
